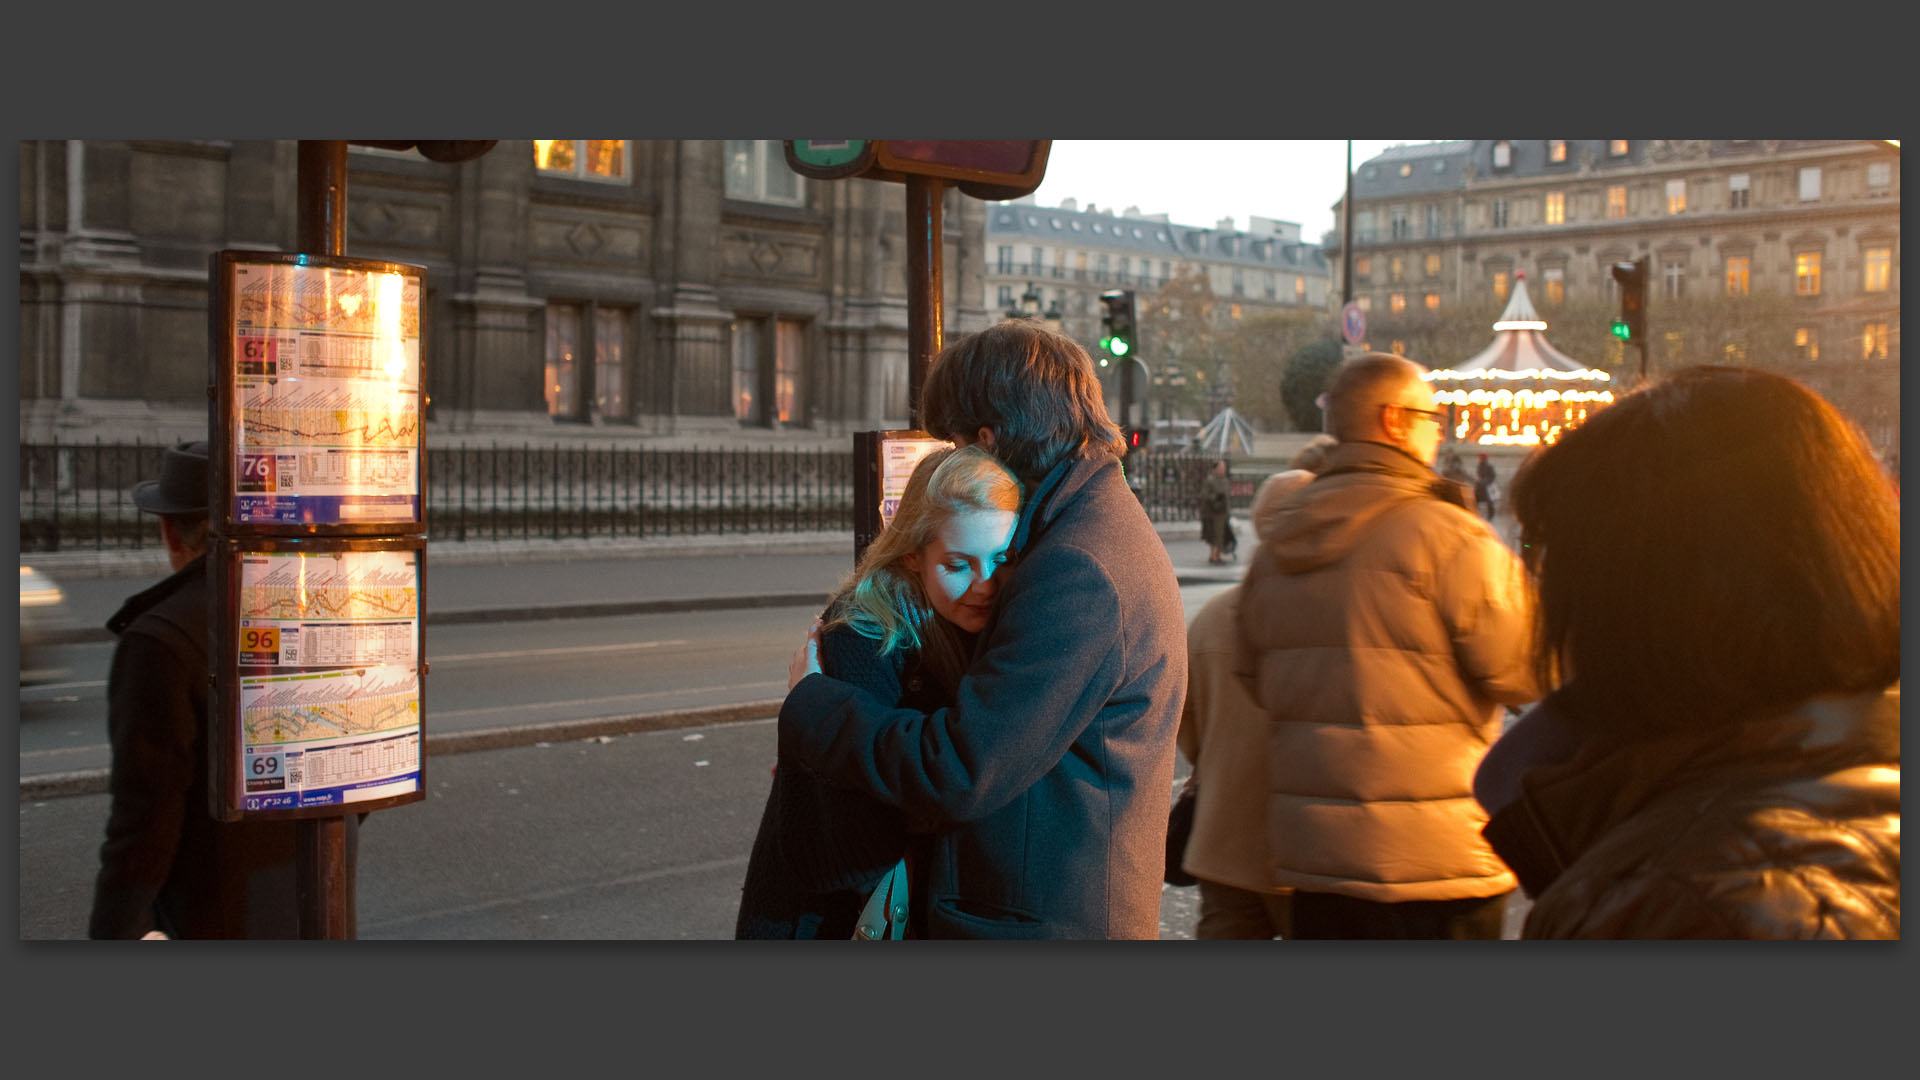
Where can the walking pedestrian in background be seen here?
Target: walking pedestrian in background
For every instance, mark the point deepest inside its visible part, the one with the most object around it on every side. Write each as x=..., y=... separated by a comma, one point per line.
x=1718, y=568
x=1216, y=494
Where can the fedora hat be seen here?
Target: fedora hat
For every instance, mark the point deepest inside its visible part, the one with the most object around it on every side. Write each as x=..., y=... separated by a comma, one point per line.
x=182, y=487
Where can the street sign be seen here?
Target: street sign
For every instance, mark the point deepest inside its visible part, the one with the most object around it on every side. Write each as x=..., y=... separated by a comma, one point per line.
x=1353, y=322
x=829, y=159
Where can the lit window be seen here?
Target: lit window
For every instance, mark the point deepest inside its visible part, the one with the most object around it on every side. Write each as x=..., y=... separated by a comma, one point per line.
x=1806, y=273
x=583, y=159
x=1235, y=310
x=1676, y=196
x=1363, y=267
x=757, y=171
x=767, y=393
x=1397, y=303
x=1502, y=154
x=1737, y=188
x=1556, y=150
x=1396, y=268
x=1398, y=348
x=1500, y=284
x=1616, y=147
x=563, y=348
x=1879, y=264
x=612, y=327
x=1556, y=207
x=1433, y=264
x=1556, y=284
x=1810, y=183
x=575, y=389
x=1406, y=170
x=1299, y=288
x=1433, y=301
x=1879, y=175
x=1499, y=213
x=1617, y=201
x=1806, y=341
x=1365, y=302
x=1737, y=266
x=1873, y=342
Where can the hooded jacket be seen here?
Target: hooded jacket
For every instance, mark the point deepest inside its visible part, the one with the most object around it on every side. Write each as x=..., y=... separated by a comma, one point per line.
x=1785, y=826
x=1385, y=624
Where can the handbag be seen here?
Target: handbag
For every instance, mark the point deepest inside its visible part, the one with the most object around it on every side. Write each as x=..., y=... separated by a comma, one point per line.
x=884, y=918
x=1179, y=828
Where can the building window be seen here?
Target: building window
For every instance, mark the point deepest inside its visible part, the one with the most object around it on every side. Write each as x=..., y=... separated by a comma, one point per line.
x=1617, y=201
x=1433, y=301
x=1039, y=259
x=1362, y=267
x=1499, y=213
x=1879, y=175
x=1396, y=268
x=1239, y=282
x=1879, y=269
x=1433, y=264
x=1737, y=187
x=604, y=160
x=1556, y=208
x=1399, y=227
x=1273, y=287
x=1166, y=272
x=1397, y=303
x=1502, y=154
x=1235, y=309
x=1004, y=260
x=757, y=172
x=563, y=351
x=1806, y=342
x=1433, y=221
x=1100, y=268
x=1810, y=183
x=1500, y=284
x=766, y=374
x=1737, y=266
x=1365, y=302
x=612, y=328
x=1675, y=274
x=1126, y=268
x=1676, y=196
x=1556, y=284
x=1005, y=300
x=1873, y=341
x=1398, y=348
x=1299, y=289
x=1556, y=150
x=1616, y=148
x=1806, y=273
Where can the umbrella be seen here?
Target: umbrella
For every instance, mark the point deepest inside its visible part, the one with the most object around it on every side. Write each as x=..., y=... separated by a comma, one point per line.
x=1219, y=433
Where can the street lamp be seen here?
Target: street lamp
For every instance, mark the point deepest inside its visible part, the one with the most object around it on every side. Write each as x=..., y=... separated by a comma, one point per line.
x=1028, y=307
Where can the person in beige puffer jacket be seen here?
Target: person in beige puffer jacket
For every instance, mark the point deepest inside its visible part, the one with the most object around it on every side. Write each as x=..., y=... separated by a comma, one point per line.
x=1386, y=626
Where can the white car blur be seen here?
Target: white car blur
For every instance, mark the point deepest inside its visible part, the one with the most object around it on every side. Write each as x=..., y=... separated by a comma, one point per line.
x=43, y=610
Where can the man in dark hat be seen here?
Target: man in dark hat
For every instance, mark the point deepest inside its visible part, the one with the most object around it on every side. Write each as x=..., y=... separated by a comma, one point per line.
x=168, y=868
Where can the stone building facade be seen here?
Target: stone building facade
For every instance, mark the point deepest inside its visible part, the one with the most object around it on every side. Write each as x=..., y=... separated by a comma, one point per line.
x=1069, y=256
x=618, y=289
x=1450, y=224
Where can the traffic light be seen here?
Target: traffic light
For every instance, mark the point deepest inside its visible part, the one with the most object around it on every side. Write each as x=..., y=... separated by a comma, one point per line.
x=1137, y=438
x=1632, y=278
x=1118, y=333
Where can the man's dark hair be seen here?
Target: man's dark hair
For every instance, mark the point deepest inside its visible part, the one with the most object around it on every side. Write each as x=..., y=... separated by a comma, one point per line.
x=1360, y=386
x=1034, y=389
x=1716, y=545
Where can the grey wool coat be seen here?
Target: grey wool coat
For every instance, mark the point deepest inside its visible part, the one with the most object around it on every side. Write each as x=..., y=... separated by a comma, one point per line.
x=1050, y=776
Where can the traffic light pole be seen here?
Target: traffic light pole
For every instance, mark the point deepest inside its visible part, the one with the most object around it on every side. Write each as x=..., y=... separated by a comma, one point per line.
x=924, y=227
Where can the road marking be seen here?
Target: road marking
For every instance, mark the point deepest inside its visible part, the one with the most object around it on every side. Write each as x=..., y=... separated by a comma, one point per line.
x=40, y=688
x=530, y=705
x=65, y=750
x=553, y=652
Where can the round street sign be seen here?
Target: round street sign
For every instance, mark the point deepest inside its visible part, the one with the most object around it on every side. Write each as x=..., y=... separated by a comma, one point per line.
x=1353, y=322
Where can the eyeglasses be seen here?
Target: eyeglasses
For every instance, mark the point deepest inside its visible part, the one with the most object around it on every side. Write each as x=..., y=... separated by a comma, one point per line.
x=1438, y=416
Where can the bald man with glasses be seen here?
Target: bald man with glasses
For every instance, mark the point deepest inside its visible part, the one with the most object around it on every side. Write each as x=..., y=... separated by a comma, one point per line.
x=1385, y=626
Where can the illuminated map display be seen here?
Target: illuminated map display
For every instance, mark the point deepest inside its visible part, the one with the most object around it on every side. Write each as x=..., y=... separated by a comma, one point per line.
x=329, y=687
x=327, y=394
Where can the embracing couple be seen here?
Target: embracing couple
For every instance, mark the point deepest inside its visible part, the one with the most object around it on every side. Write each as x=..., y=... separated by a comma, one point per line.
x=990, y=700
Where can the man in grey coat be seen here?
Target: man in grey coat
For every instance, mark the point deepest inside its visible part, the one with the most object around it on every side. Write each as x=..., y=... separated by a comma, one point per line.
x=1048, y=779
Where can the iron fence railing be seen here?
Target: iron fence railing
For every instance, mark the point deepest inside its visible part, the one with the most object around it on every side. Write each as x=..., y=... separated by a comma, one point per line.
x=78, y=496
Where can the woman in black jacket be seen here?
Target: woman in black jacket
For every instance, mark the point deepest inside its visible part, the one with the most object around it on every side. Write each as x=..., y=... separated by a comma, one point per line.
x=902, y=627
x=1718, y=563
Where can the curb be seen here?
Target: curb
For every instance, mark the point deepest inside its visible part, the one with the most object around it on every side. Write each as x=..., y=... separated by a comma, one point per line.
x=94, y=781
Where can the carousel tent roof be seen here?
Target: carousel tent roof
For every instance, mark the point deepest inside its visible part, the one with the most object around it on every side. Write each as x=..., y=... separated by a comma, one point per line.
x=1519, y=341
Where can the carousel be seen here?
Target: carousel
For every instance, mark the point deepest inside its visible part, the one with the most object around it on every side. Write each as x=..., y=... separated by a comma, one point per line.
x=1520, y=390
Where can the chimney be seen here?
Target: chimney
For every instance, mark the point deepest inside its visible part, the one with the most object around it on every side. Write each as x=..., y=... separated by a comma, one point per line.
x=1070, y=204
x=1225, y=225
x=1132, y=212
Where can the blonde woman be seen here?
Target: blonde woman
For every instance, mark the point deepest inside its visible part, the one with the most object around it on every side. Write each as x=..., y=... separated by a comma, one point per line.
x=902, y=627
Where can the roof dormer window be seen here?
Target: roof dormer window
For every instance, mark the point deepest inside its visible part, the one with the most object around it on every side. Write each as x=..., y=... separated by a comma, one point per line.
x=1502, y=154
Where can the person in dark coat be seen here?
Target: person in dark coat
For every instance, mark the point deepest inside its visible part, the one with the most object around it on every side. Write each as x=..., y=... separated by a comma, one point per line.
x=1216, y=529
x=1718, y=563
x=167, y=867
x=1485, y=489
x=1050, y=776
x=901, y=628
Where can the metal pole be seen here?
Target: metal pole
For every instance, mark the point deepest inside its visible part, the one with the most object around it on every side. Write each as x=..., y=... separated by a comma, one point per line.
x=321, y=843
x=1346, y=242
x=924, y=290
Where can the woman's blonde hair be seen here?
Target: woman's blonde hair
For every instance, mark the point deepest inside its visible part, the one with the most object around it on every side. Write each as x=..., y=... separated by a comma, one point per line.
x=882, y=599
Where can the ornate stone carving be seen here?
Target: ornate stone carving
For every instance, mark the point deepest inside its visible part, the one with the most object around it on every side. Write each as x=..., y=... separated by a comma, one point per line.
x=769, y=255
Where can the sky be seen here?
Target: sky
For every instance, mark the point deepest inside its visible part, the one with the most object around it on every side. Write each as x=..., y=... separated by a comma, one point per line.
x=1199, y=182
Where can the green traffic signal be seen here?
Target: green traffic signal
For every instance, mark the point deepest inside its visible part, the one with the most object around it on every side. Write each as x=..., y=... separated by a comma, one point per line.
x=1620, y=330
x=1117, y=346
